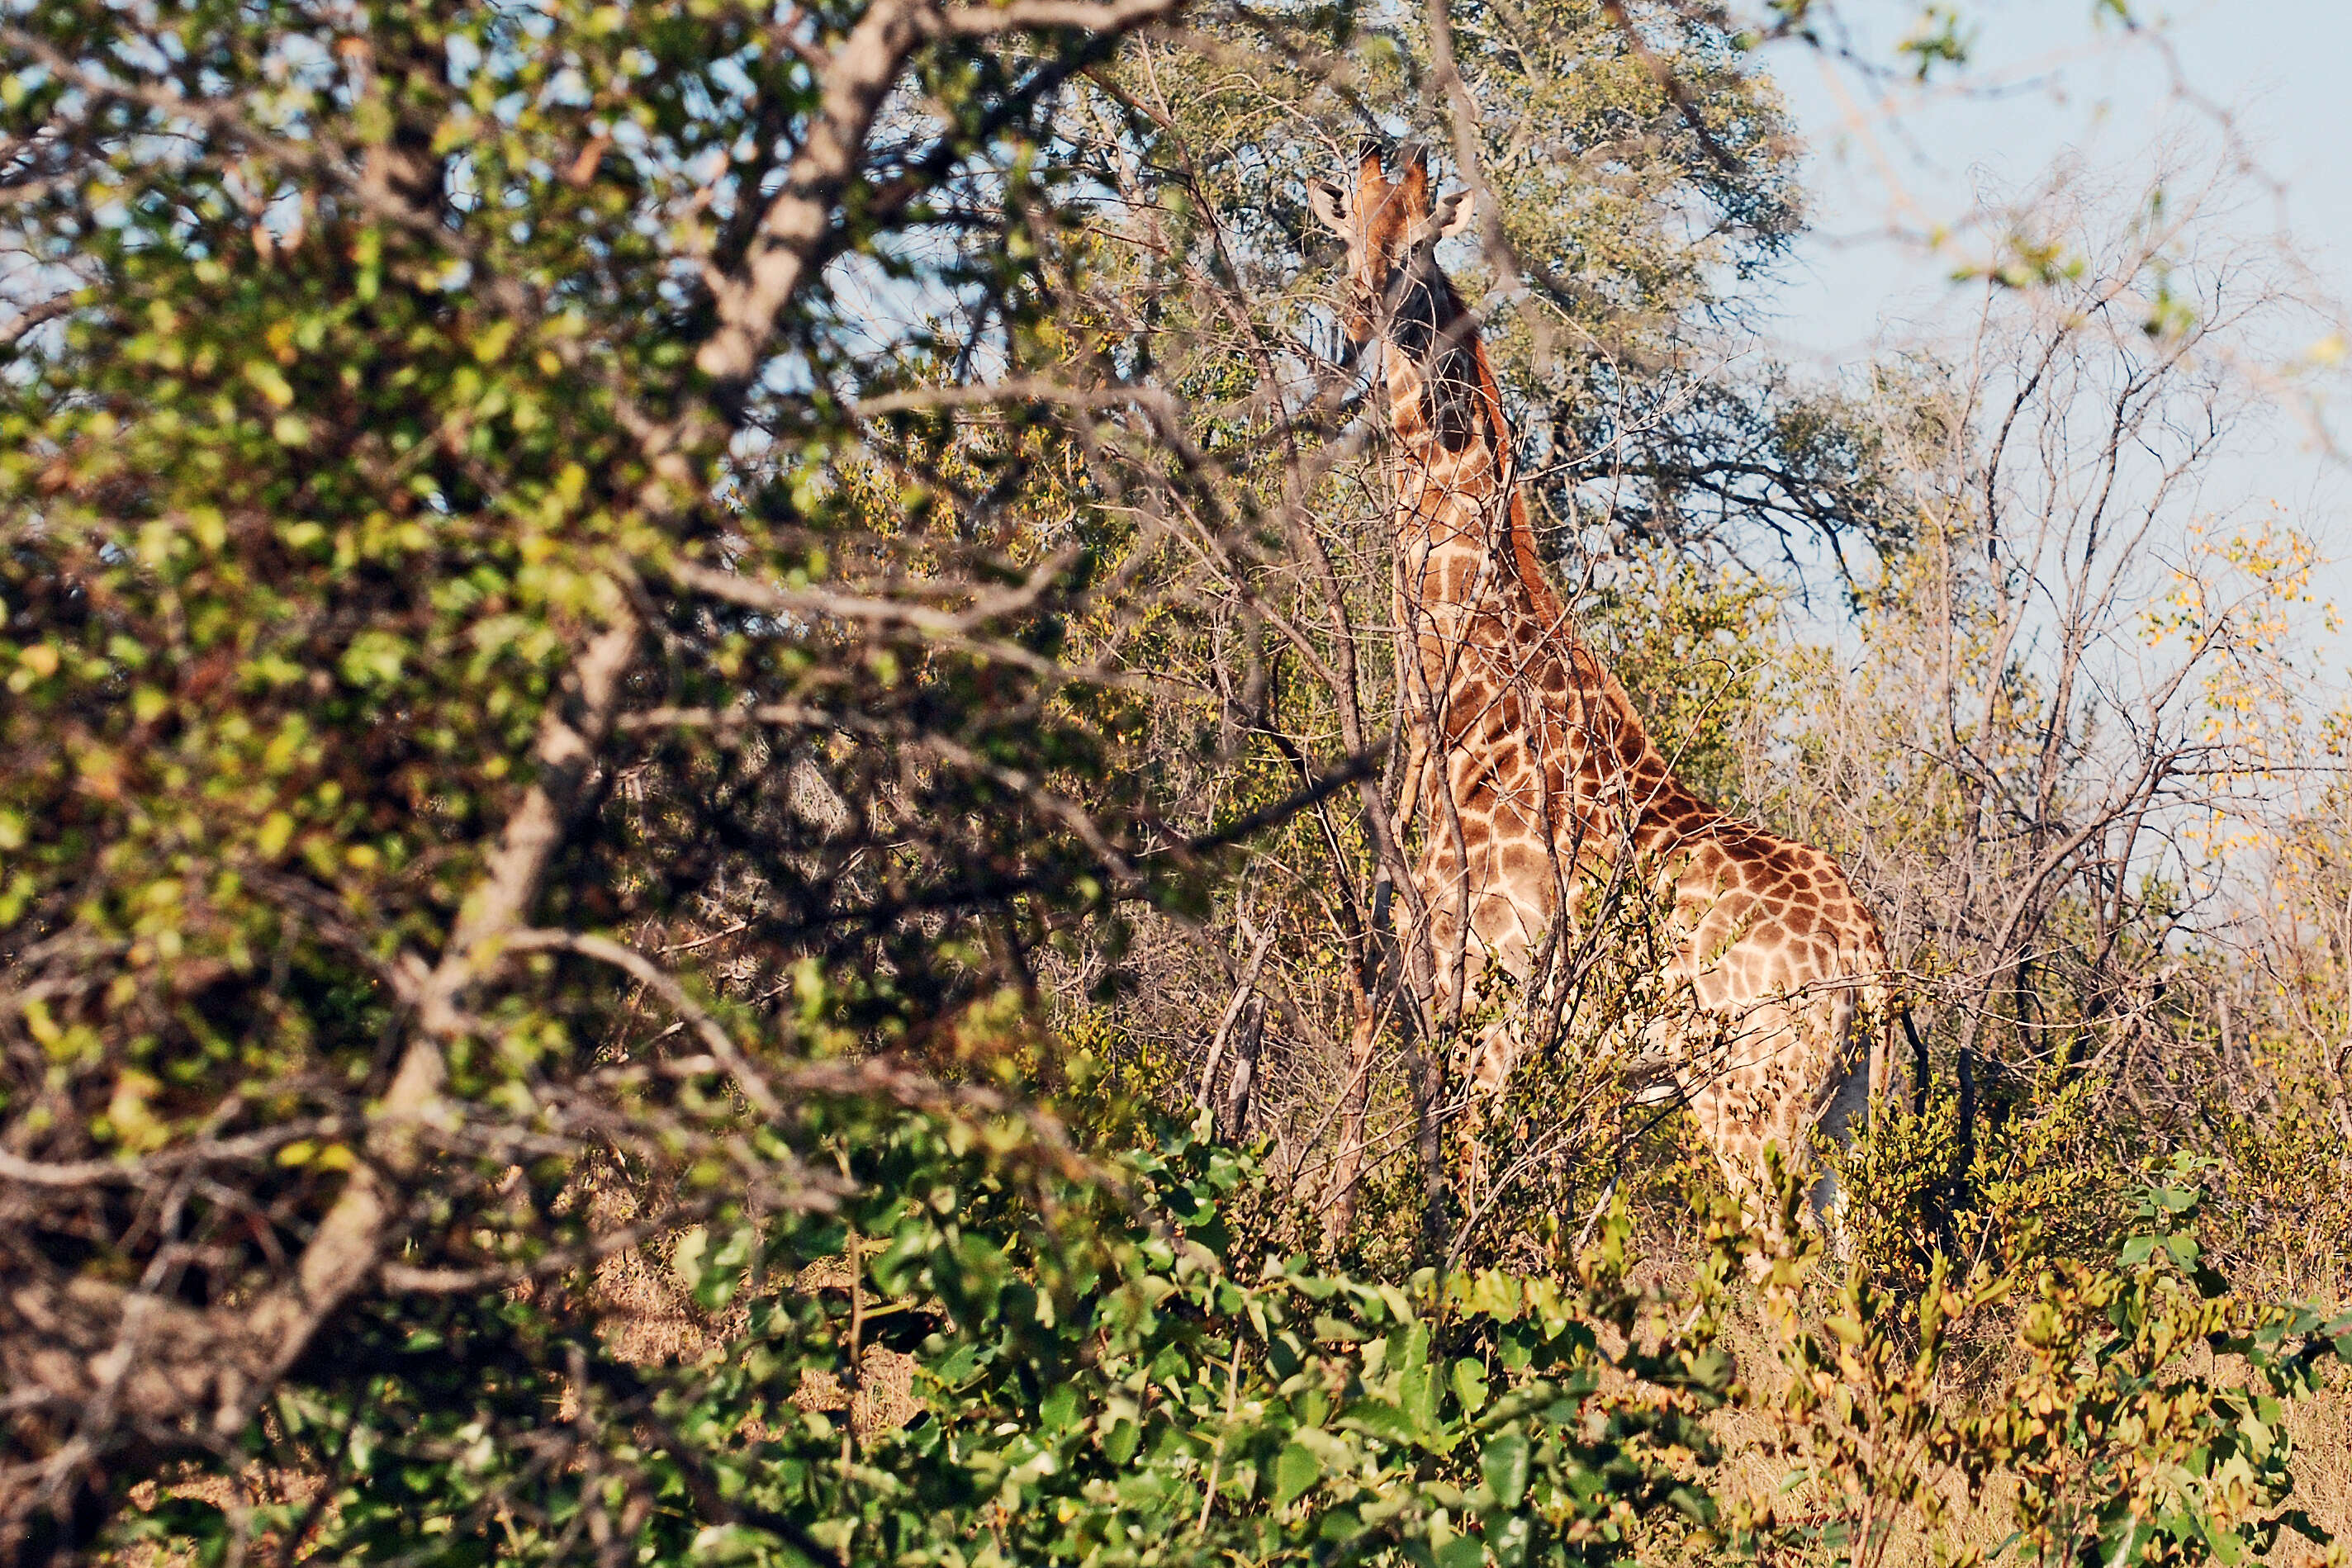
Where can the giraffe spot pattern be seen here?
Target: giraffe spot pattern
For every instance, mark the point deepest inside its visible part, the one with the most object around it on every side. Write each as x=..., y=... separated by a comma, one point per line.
x=1525, y=702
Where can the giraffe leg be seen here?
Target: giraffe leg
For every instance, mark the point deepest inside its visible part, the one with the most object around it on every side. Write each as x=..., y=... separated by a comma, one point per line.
x=1748, y=1094
x=1491, y=1061
x=1456, y=961
x=1501, y=955
x=1793, y=1078
x=1847, y=1111
x=1661, y=1062
x=1484, y=941
x=1486, y=1067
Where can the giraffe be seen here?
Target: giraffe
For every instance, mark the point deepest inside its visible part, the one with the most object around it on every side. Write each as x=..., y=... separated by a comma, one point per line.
x=1533, y=776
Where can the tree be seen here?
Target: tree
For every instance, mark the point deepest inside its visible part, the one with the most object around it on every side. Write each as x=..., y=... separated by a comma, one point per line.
x=2079, y=691
x=434, y=579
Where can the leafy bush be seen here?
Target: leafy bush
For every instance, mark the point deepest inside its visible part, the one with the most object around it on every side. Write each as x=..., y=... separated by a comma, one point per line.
x=2115, y=1444
x=1095, y=1382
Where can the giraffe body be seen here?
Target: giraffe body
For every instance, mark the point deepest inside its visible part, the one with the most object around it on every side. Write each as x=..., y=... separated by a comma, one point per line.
x=1538, y=780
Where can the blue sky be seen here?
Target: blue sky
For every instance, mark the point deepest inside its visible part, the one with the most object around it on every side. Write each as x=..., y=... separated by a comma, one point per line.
x=2045, y=81
x=2264, y=80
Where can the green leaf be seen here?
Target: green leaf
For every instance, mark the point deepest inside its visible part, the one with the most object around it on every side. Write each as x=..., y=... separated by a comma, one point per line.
x=1417, y=1396
x=1294, y=1471
x=1503, y=1465
x=685, y=1259
x=270, y=381
x=1470, y=1384
x=1059, y=1409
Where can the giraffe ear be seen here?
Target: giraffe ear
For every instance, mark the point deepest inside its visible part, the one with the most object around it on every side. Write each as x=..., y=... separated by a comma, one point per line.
x=1330, y=204
x=1371, y=195
x=1455, y=214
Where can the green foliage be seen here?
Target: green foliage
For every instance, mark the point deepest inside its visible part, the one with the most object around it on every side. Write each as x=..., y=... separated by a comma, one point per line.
x=2122, y=1452
x=1095, y=1383
x=1691, y=646
x=1938, y=38
x=2028, y=1179
x=355, y=908
x=2139, y=1420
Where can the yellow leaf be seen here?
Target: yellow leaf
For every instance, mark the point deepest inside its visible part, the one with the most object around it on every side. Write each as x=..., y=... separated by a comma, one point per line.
x=491, y=346
x=134, y=1123
x=270, y=381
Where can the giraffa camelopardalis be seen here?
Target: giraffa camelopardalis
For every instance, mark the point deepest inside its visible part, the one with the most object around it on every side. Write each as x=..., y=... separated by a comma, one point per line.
x=1537, y=777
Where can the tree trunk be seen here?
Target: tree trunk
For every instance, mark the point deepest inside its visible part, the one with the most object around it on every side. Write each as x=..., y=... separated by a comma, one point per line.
x=1230, y=1124
x=1339, y=1208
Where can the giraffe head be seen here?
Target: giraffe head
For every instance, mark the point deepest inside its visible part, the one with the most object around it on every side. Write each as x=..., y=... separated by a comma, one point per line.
x=1392, y=230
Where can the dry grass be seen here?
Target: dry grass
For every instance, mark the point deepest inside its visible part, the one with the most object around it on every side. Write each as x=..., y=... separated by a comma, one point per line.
x=1753, y=1437
x=2322, y=1431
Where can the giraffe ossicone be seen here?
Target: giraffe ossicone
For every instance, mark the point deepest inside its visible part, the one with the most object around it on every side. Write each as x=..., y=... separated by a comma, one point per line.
x=1534, y=781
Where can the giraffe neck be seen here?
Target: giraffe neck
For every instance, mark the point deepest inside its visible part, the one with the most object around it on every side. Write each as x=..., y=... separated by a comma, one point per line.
x=1468, y=569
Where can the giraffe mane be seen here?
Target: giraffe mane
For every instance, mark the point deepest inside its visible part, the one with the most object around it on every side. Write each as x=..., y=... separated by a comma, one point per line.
x=1524, y=559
